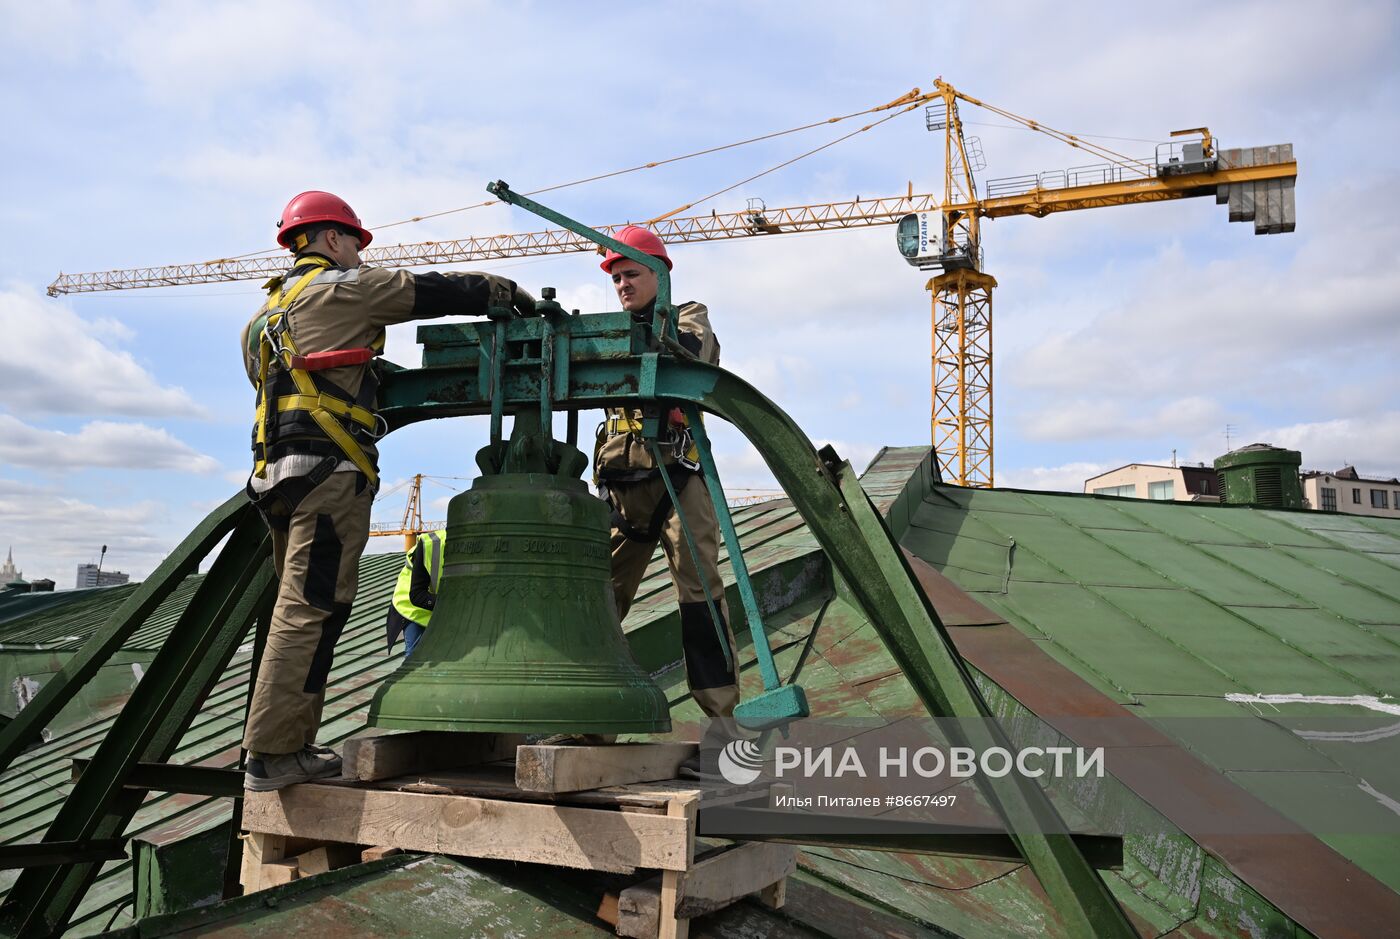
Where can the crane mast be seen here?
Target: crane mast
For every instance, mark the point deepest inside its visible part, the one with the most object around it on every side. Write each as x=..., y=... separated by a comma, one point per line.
x=960, y=420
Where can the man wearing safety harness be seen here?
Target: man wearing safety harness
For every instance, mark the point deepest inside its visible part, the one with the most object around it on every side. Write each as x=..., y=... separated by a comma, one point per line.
x=309, y=353
x=415, y=594
x=643, y=513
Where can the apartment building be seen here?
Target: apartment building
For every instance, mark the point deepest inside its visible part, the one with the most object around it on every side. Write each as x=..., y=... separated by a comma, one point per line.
x=1154, y=481
x=1346, y=490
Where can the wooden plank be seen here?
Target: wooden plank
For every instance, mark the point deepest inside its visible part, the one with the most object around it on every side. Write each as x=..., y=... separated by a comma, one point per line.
x=572, y=768
x=497, y=781
x=669, y=923
x=567, y=836
x=378, y=853
x=389, y=755
x=720, y=879
x=280, y=872
x=327, y=857
x=259, y=850
x=774, y=896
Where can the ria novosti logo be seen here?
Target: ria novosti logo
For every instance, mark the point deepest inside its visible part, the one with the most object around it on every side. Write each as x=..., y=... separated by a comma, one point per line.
x=740, y=762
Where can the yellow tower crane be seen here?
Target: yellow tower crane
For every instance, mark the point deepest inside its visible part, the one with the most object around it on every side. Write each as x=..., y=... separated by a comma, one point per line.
x=1256, y=182
x=932, y=234
x=412, y=524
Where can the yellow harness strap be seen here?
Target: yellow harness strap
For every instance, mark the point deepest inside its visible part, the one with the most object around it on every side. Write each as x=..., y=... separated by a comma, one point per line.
x=623, y=423
x=276, y=340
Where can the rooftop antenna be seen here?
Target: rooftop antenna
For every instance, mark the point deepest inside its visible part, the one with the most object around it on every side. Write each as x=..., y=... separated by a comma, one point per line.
x=1230, y=431
x=99, y=561
x=1173, y=457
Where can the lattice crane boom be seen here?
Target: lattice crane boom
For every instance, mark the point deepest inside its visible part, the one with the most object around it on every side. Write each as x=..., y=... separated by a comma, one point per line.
x=757, y=219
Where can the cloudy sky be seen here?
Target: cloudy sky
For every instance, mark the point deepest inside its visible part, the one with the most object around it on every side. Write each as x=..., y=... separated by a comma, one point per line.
x=151, y=133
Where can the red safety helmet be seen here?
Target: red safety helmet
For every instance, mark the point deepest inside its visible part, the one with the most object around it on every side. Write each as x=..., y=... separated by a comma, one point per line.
x=634, y=236
x=317, y=206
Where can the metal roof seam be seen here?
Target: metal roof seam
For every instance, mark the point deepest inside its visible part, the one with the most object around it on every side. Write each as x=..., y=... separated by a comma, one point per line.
x=1222, y=607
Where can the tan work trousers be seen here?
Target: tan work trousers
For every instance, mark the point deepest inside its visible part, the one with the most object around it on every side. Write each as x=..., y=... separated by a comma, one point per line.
x=713, y=683
x=317, y=552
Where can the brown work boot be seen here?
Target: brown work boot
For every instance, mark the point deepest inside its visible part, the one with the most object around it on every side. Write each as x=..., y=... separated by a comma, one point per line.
x=269, y=771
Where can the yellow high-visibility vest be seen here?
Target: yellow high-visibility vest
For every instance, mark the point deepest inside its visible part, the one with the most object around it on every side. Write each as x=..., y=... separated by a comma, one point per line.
x=431, y=542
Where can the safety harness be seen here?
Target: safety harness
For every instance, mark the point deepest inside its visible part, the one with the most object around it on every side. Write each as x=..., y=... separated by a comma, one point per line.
x=686, y=467
x=300, y=403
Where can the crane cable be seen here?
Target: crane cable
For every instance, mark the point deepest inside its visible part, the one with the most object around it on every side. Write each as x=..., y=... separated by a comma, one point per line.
x=905, y=103
x=690, y=205
x=644, y=166
x=1113, y=156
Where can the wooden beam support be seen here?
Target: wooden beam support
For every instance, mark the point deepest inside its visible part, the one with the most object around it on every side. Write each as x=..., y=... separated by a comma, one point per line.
x=717, y=879
x=669, y=923
x=720, y=879
x=568, y=768
x=384, y=757
x=259, y=851
x=327, y=857
x=567, y=836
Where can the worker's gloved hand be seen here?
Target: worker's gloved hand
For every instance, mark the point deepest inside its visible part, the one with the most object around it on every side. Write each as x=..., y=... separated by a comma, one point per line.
x=522, y=301
x=508, y=294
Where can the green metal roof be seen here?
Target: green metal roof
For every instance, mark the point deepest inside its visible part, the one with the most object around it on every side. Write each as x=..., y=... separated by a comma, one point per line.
x=1156, y=605
x=1189, y=614
x=65, y=619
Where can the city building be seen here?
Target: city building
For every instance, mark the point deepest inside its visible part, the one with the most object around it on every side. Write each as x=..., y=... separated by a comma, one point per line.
x=1348, y=491
x=7, y=570
x=89, y=575
x=1155, y=481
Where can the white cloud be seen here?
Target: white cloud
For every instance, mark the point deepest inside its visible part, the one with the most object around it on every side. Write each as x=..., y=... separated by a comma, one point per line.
x=54, y=362
x=106, y=444
x=1110, y=417
x=1067, y=477
x=52, y=533
x=1371, y=444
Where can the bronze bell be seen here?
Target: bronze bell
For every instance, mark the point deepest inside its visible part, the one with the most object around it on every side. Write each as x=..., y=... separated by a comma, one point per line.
x=524, y=636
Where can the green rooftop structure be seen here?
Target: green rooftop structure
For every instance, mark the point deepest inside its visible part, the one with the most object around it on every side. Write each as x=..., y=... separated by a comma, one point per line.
x=1253, y=653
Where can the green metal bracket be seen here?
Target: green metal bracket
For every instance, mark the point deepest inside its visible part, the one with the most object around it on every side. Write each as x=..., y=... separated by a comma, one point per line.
x=710, y=589
x=14, y=856
x=149, y=727
x=29, y=724
x=666, y=322
x=779, y=704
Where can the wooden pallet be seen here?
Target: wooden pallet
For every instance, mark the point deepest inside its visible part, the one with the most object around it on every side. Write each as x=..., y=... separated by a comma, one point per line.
x=615, y=808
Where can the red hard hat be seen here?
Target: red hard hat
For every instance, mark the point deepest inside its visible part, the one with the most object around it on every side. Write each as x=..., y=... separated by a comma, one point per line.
x=644, y=241
x=317, y=206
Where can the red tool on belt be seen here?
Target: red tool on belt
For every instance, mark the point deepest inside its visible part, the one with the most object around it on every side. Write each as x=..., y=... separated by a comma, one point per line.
x=316, y=361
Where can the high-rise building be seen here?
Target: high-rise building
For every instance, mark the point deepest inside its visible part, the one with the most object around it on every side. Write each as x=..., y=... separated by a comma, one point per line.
x=90, y=576
x=7, y=570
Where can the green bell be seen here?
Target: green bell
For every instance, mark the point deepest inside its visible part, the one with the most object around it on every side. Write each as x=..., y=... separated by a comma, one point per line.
x=524, y=636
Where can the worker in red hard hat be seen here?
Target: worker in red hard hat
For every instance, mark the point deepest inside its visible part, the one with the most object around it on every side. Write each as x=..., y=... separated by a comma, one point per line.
x=628, y=477
x=310, y=353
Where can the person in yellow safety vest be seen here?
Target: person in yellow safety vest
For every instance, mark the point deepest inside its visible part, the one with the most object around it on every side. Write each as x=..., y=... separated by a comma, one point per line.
x=416, y=592
x=629, y=479
x=309, y=352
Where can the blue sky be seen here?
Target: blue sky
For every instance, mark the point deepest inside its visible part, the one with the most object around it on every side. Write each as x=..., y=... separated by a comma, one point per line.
x=154, y=133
